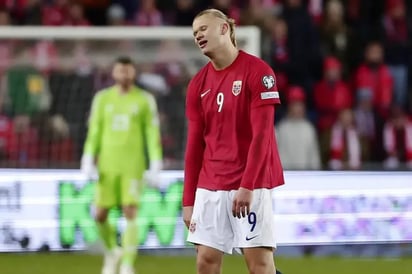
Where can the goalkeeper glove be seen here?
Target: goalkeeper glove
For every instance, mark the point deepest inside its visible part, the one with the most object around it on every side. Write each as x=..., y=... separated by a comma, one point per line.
x=88, y=167
x=152, y=176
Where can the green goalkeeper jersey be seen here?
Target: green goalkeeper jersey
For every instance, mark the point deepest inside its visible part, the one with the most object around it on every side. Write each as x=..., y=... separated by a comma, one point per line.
x=120, y=126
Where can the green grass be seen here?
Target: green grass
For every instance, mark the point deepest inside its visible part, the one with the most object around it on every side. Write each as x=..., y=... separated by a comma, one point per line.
x=76, y=263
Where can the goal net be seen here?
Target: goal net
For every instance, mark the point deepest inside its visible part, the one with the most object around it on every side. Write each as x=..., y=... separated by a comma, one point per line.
x=49, y=76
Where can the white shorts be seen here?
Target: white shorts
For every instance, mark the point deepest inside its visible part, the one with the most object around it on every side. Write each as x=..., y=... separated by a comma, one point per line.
x=213, y=224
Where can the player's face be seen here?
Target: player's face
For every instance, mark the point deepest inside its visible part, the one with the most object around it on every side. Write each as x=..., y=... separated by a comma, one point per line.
x=124, y=74
x=208, y=32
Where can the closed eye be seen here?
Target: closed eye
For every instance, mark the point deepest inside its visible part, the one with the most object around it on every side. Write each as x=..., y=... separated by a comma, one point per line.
x=201, y=28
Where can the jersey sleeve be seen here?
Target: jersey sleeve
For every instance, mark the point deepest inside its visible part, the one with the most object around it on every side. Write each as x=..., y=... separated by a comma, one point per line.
x=152, y=130
x=193, y=105
x=95, y=123
x=262, y=132
x=194, y=145
x=262, y=84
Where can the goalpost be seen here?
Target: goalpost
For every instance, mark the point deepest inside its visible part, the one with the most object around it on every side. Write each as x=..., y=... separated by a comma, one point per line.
x=74, y=62
x=248, y=36
x=145, y=39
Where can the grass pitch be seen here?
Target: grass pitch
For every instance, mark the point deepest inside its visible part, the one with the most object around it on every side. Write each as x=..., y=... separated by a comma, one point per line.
x=78, y=263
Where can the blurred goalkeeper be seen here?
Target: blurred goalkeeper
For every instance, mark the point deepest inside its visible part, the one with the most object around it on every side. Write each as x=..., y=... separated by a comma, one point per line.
x=123, y=121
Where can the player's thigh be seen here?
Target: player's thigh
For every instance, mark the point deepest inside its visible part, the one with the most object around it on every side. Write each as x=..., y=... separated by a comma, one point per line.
x=259, y=260
x=258, y=228
x=210, y=225
x=130, y=190
x=106, y=191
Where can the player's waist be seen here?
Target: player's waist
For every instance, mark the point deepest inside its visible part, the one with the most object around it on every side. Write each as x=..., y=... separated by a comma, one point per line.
x=218, y=186
x=122, y=143
x=122, y=149
x=228, y=186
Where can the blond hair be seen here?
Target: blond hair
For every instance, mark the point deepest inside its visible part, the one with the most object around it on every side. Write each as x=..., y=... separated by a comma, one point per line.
x=230, y=21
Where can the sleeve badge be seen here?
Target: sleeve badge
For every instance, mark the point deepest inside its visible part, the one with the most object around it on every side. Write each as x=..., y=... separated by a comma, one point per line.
x=268, y=81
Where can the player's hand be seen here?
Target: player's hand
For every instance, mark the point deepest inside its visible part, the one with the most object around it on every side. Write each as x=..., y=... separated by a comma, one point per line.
x=187, y=215
x=152, y=178
x=88, y=167
x=242, y=202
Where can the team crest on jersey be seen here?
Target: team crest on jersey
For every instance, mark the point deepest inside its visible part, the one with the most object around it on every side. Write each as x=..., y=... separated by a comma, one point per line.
x=192, y=227
x=268, y=81
x=237, y=87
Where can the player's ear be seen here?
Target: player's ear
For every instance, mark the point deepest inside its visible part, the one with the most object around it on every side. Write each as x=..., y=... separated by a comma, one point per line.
x=224, y=28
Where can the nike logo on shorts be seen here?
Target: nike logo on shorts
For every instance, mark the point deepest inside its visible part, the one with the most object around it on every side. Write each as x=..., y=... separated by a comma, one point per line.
x=204, y=93
x=250, y=238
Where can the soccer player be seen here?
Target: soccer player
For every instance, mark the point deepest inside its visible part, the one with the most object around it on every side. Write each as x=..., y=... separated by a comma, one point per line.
x=231, y=162
x=123, y=122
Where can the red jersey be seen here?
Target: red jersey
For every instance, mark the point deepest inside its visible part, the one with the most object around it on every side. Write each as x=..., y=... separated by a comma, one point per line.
x=330, y=99
x=220, y=101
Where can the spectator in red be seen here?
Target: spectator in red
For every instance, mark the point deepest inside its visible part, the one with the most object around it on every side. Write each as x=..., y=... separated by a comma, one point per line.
x=55, y=14
x=148, y=14
x=6, y=127
x=76, y=16
x=397, y=139
x=365, y=121
x=396, y=36
x=374, y=74
x=331, y=94
x=345, y=150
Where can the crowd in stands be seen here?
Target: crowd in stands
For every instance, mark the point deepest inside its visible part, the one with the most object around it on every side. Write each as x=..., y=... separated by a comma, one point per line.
x=342, y=67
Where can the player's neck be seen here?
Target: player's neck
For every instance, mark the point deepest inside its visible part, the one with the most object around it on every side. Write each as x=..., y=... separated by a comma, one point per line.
x=224, y=58
x=124, y=89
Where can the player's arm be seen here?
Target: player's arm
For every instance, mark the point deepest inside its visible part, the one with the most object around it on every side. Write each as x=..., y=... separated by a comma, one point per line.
x=93, y=140
x=195, y=145
x=95, y=123
x=264, y=97
x=152, y=134
x=262, y=130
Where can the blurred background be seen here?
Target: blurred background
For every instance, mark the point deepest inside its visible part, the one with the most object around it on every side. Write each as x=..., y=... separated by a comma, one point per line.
x=343, y=70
